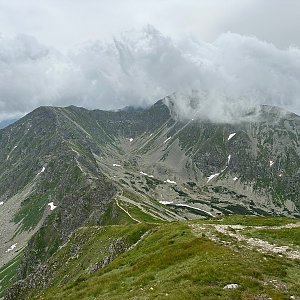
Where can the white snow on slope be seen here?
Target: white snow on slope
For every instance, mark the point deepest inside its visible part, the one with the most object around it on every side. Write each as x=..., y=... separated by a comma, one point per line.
x=52, y=206
x=167, y=139
x=1, y=203
x=170, y=181
x=130, y=140
x=8, y=156
x=116, y=165
x=231, y=136
x=42, y=171
x=145, y=174
x=12, y=247
x=166, y=202
x=271, y=163
x=235, y=179
x=212, y=177
x=228, y=160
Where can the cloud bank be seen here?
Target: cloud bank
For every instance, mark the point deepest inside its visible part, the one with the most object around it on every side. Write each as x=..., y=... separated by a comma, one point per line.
x=140, y=67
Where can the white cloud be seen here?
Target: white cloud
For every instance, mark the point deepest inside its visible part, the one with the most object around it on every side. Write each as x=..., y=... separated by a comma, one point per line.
x=140, y=67
x=65, y=23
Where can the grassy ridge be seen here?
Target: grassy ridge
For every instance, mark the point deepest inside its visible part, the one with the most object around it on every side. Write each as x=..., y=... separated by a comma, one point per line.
x=282, y=237
x=251, y=220
x=88, y=249
x=170, y=262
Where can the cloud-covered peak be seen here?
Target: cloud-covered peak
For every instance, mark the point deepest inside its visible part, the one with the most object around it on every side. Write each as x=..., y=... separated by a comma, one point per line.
x=139, y=67
x=20, y=48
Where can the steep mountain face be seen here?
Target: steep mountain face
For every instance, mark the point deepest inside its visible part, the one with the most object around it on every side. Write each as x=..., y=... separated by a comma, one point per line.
x=39, y=171
x=64, y=168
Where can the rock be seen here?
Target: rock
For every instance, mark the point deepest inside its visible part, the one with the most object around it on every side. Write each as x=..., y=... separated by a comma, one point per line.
x=231, y=286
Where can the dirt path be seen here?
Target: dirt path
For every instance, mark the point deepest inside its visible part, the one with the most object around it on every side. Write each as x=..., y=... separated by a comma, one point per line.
x=236, y=232
x=122, y=208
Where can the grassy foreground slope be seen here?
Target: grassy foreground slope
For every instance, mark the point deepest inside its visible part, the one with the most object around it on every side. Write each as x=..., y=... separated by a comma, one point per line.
x=8, y=273
x=178, y=260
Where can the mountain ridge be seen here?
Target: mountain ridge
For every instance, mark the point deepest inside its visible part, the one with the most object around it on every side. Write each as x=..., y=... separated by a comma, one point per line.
x=96, y=166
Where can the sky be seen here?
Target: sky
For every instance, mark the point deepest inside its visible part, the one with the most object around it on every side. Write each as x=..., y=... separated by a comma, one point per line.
x=109, y=54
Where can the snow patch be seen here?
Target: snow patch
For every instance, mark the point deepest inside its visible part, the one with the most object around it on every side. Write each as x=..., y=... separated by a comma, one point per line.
x=130, y=140
x=52, y=206
x=8, y=156
x=142, y=173
x=116, y=165
x=170, y=181
x=167, y=139
x=166, y=202
x=145, y=174
x=235, y=178
x=1, y=203
x=271, y=163
x=212, y=177
x=12, y=247
x=229, y=158
x=42, y=171
x=231, y=136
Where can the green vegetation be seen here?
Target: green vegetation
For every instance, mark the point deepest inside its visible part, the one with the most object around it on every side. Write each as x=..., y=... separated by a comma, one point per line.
x=251, y=220
x=282, y=236
x=170, y=254
x=137, y=213
x=152, y=182
x=114, y=215
x=89, y=249
x=31, y=212
x=8, y=272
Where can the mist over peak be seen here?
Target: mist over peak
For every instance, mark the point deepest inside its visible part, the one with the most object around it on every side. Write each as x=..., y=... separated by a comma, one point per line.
x=230, y=75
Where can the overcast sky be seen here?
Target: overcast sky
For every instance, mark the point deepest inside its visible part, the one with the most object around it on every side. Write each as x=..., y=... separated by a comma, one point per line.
x=61, y=52
x=63, y=23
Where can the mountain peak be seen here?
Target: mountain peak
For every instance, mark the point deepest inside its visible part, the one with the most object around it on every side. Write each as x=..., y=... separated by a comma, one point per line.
x=69, y=168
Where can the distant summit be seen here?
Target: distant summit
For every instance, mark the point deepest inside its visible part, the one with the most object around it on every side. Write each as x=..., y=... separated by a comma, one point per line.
x=132, y=109
x=7, y=122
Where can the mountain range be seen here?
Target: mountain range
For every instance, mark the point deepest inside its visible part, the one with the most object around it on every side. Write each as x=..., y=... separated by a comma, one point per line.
x=68, y=173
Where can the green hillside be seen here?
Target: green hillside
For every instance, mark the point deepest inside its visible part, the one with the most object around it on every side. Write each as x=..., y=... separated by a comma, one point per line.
x=177, y=260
